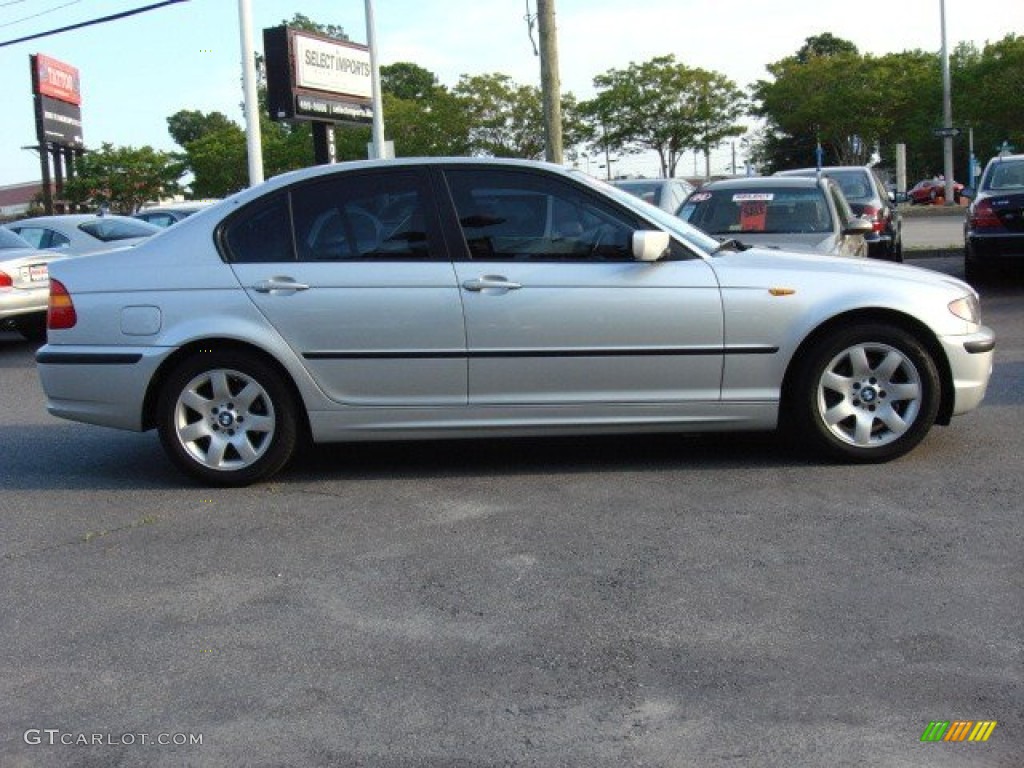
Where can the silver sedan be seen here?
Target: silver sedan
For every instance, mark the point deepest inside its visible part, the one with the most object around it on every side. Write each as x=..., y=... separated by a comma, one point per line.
x=483, y=298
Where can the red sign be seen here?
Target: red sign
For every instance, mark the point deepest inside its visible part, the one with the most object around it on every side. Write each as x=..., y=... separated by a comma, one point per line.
x=58, y=80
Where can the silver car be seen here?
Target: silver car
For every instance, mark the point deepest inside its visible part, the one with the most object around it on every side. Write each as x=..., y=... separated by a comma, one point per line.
x=795, y=213
x=385, y=300
x=24, y=285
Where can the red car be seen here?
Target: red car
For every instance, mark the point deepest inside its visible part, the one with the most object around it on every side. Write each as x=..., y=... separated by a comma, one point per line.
x=926, y=192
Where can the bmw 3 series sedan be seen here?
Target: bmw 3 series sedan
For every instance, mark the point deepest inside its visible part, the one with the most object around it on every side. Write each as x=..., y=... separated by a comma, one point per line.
x=400, y=299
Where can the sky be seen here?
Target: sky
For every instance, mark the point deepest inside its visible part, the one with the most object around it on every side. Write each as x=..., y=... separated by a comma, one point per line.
x=137, y=71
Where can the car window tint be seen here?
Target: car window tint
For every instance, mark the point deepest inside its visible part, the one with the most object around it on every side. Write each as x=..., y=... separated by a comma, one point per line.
x=510, y=216
x=261, y=232
x=767, y=210
x=364, y=216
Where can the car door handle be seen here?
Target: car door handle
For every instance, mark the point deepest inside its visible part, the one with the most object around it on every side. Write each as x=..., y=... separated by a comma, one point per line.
x=493, y=283
x=279, y=284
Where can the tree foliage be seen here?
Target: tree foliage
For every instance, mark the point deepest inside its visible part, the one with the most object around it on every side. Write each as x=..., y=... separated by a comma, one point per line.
x=856, y=104
x=665, y=106
x=507, y=118
x=123, y=178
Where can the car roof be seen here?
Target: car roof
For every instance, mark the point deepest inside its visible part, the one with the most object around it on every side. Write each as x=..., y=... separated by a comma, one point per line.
x=68, y=218
x=795, y=182
x=823, y=169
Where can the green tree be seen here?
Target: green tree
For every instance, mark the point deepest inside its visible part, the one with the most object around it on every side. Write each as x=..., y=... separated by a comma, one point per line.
x=123, y=178
x=665, y=106
x=507, y=118
x=406, y=80
x=825, y=44
x=189, y=124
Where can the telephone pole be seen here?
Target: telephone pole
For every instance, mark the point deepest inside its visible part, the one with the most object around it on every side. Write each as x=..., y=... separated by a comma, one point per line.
x=549, y=84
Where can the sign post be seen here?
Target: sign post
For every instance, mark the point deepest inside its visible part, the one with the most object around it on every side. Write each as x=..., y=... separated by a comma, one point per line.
x=57, y=100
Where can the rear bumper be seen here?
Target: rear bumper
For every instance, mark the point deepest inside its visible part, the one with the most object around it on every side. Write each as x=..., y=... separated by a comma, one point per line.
x=98, y=385
x=995, y=247
x=19, y=301
x=880, y=246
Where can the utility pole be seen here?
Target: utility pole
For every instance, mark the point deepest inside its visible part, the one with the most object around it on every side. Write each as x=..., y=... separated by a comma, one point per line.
x=947, y=112
x=549, y=85
x=377, y=132
x=254, y=145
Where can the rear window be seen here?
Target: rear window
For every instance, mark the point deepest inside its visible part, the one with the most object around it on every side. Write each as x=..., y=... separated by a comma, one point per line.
x=765, y=210
x=9, y=239
x=109, y=230
x=1005, y=174
x=855, y=184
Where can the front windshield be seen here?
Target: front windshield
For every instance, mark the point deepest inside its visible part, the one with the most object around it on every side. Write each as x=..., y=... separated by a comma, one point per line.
x=672, y=224
x=764, y=209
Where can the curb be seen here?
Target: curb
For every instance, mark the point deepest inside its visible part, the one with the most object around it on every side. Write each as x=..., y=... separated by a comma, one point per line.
x=910, y=254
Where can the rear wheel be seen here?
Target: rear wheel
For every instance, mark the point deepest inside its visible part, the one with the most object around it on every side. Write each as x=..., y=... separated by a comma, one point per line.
x=227, y=418
x=869, y=393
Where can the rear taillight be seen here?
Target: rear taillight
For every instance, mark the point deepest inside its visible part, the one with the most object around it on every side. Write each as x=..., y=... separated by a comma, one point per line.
x=982, y=216
x=5, y=280
x=874, y=215
x=61, y=312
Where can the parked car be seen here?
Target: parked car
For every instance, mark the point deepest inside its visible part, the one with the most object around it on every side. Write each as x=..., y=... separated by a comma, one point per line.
x=869, y=199
x=796, y=213
x=667, y=194
x=24, y=285
x=929, y=191
x=500, y=297
x=82, y=233
x=994, y=226
x=170, y=213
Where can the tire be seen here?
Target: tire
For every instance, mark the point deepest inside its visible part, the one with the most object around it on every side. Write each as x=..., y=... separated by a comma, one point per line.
x=227, y=418
x=866, y=394
x=32, y=327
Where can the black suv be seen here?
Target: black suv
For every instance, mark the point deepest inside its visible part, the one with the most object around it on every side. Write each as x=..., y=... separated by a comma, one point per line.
x=869, y=199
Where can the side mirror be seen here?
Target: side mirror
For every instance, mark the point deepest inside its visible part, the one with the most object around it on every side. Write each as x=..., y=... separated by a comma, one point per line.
x=858, y=226
x=649, y=244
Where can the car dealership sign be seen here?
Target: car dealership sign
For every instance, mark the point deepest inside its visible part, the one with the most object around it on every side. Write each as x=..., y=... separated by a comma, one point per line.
x=56, y=90
x=312, y=77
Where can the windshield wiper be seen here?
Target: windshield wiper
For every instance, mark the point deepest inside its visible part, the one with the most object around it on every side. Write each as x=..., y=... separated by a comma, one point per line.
x=732, y=244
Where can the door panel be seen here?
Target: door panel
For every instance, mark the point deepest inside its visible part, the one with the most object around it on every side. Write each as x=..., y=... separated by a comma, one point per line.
x=350, y=270
x=557, y=311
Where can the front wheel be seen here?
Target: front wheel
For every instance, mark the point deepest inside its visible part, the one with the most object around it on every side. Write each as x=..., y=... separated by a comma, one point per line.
x=869, y=393
x=227, y=418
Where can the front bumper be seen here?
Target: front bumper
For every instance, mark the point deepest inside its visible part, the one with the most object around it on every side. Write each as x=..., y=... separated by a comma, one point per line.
x=970, y=362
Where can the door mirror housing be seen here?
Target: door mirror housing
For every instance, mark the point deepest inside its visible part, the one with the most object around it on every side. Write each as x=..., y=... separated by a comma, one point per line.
x=649, y=244
x=858, y=226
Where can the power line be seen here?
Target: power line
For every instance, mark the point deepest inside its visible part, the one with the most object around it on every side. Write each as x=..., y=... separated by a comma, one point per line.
x=102, y=20
x=41, y=13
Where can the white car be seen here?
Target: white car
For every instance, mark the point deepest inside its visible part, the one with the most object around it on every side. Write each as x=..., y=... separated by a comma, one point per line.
x=77, y=234
x=442, y=298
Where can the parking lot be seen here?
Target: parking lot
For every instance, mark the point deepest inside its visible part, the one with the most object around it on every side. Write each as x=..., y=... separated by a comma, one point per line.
x=660, y=601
